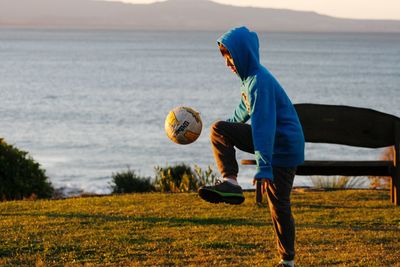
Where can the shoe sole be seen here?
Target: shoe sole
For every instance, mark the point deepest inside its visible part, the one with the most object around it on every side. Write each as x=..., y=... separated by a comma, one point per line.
x=215, y=197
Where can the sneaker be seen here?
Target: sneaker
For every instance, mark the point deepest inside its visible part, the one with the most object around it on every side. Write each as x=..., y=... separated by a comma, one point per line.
x=222, y=192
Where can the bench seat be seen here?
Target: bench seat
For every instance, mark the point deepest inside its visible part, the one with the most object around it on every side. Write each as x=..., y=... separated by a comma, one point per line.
x=345, y=168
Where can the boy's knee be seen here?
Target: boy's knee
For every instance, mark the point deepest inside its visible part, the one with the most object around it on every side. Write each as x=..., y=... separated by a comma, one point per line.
x=280, y=206
x=217, y=127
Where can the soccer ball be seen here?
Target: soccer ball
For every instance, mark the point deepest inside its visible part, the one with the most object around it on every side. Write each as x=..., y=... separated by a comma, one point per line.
x=183, y=125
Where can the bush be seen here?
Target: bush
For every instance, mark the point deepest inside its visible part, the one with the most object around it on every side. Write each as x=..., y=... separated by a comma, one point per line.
x=207, y=177
x=378, y=182
x=337, y=182
x=20, y=176
x=130, y=182
x=181, y=178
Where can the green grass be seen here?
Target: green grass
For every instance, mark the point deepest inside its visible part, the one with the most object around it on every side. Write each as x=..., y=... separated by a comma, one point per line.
x=337, y=228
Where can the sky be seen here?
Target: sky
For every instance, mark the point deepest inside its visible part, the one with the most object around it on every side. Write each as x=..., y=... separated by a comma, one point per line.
x=357, y=9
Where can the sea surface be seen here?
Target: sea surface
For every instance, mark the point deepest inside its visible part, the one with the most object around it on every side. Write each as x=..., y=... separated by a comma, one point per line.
x=87, y=104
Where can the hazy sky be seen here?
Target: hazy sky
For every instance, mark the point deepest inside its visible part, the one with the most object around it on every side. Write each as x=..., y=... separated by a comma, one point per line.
x=363, y=9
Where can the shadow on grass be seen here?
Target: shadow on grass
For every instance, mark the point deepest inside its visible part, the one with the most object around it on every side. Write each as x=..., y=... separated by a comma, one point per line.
x=230, y=245
x=172, y=221
x=341, y=206
x=348, y=227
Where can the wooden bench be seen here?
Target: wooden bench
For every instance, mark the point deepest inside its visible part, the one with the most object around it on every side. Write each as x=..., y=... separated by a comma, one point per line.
x=352, y=126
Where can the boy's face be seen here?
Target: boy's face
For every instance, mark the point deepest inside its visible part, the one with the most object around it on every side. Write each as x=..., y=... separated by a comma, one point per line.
x=229, y=60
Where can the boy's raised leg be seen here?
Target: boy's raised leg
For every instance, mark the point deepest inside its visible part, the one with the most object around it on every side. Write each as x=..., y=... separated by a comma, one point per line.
x=225, y=136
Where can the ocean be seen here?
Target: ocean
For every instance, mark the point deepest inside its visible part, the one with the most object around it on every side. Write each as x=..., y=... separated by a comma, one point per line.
x=87, y=104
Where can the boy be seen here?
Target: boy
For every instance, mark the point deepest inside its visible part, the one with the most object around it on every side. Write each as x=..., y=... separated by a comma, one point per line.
x=275, y=137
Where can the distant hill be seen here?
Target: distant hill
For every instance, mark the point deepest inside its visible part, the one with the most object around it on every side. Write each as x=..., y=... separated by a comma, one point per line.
x=174, y=15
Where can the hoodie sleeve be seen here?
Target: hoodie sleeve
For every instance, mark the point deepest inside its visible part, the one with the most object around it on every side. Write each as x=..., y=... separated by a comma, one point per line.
x=241, y=114
x=263, y=124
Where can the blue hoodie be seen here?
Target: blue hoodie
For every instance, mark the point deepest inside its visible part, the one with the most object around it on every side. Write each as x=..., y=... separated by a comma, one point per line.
x=277, y=133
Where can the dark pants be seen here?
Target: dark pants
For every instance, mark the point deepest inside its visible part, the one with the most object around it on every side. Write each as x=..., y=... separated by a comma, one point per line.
x=225, y=136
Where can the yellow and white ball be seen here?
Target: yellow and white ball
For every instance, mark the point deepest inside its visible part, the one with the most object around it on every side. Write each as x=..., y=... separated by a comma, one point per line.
x=183, y=125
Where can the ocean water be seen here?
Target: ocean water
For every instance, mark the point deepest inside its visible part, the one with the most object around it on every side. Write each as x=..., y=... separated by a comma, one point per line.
x=87, y=104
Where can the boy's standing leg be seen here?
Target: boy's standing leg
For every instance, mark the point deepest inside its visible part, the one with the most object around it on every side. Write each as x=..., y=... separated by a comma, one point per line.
x=278, y=193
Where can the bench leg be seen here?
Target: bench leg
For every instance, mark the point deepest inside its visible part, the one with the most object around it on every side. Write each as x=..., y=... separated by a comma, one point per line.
x=392, y=191
x=395, y=182
x=395, y=189
x=397, y=193
x=261, y=188
x=259, y=191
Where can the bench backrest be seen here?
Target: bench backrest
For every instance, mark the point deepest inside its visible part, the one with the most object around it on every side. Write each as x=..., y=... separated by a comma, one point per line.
x=346, y=125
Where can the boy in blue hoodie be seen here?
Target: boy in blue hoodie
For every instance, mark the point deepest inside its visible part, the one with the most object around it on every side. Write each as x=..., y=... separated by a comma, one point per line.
x=274, y=136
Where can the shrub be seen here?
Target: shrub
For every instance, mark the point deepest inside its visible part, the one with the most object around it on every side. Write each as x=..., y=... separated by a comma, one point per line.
x=181, y=178
x=377, y=182
x=20, y=176
x=337, y=182
x=130, y=182
x=207, y=177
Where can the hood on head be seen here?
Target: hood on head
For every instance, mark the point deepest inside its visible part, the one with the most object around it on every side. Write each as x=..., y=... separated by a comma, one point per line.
x=243, y=46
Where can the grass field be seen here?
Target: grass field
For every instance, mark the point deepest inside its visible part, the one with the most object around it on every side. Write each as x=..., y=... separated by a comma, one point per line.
x=336, y=228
